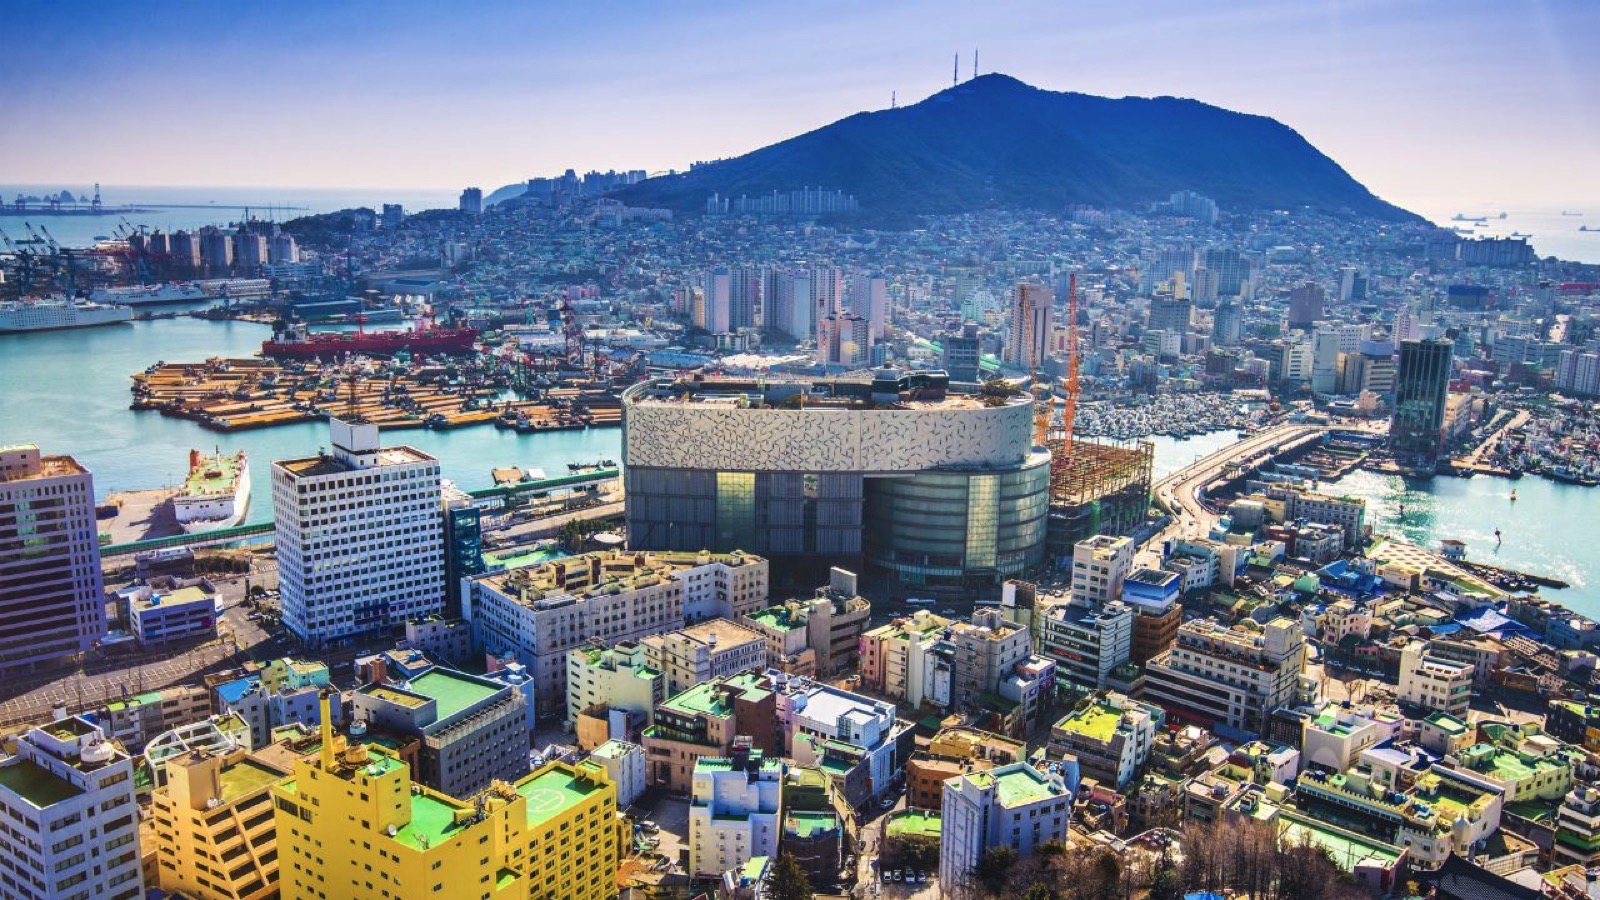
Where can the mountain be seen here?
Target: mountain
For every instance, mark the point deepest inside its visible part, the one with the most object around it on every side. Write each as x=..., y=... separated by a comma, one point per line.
x=995, y=142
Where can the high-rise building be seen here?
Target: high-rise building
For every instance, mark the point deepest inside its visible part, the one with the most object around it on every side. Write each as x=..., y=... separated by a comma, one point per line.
x=1305, y=305
x=744, y=299
x=1421, y=384
x=351, y=823
x=844, y=340
x=391, y=217
x=1228, y=678
x=216, y=807
x=735, y=806
x=185, y=249
x=961, y=353
x=1206, y=283
x=1195, y=206
x=1232, y=268
x=1352, y=285
x=1578, y=373
x=1014, y=805
x=472, y=201
x=1162, y=264
x=827, y=292
x=1028, y=325
x=1086, y=640
x=71, y=824
x=250, y=251
x=216, y=250
x=1172, y=315
x=1325, y=361
x=283, y=249
x=788, y=307
x=1227, y=324
x=715, y=311
x=360, y=536
x=869, y=298
x=987, y=649
x=52, y=601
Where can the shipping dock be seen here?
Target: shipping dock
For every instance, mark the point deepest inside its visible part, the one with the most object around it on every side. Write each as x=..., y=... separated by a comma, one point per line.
x=238, y=394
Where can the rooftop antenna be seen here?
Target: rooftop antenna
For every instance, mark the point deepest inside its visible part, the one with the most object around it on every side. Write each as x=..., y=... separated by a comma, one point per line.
x=893, y=103
x=955, y=71
x=974, y=62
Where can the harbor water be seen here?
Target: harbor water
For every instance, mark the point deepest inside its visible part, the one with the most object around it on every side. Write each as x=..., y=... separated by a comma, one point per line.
x=67, y=391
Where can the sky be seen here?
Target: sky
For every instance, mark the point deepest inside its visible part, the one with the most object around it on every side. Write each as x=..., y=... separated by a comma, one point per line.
x=1428, y=103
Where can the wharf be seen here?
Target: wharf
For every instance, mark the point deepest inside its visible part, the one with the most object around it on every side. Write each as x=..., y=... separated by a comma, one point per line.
x=239, y=394
x=140, y=516
x=1510, y=579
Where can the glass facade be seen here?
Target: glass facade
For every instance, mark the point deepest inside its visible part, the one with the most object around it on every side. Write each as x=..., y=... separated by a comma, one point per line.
x=736, y=508
x=957, y=529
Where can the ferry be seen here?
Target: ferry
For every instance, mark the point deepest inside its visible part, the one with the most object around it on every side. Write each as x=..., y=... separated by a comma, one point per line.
x=185, y=291
x=50, y=315
x=216, y=494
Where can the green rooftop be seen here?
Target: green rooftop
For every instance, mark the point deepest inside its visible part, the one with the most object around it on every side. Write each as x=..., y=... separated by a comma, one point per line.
x=1346, y=847
x=804, y=824
x=432, y=821
x=1097, y=722
x=914, y=822
x=778, y=618
x=37, y=785
x=452, y=691
x=1016, y=784
x=552, y=792
x=705, y=698
x=215, y=475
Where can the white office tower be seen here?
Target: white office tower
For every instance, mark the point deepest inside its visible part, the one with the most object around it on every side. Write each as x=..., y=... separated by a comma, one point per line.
x=1014, y=806
x=869, y=299
x=734, y=810
x=52, y=601
x=1325, y=361
x=1099, y=566
x=360, y=536
x=71, y=827
x=1028, y=325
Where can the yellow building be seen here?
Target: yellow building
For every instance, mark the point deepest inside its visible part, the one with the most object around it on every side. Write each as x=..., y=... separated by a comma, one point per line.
x=215, y=835
x=352, y=824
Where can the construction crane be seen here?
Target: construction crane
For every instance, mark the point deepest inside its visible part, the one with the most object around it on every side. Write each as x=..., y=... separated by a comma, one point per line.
x=1069, y=410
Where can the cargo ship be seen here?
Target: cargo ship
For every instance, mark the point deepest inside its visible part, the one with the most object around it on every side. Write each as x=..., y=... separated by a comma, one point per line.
x=216, y=494
x=298, y=341
x=51, y=315
x=184, y=291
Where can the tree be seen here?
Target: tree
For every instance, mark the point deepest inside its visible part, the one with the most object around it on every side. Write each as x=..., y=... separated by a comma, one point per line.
x=1166, y=885
x=788, y=881
x=994, y=868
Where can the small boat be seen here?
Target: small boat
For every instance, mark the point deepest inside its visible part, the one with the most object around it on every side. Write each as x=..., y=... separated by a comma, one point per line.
x=1497, y=536
x=1513, y=495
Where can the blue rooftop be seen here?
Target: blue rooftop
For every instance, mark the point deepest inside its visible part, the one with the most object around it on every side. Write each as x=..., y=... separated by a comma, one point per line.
x=234, y=691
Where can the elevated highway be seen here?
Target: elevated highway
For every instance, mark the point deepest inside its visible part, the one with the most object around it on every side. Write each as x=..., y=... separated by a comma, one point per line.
x=1181, y=494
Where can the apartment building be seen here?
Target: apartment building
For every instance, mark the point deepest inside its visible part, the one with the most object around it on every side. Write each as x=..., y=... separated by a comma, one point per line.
x=1433, y=682
x=819, y=636
x=472, y=730
x=1228, y=678
x=850, y=735
x=282, y=692
x=712, y=649
x=360, y=536
x=735, y=807
x=704, y=721
x=1111, y=736
x=1098, y=566
x=910, y=659
x=987, y=649
x=1334, y=738
x=538, y=614
x=51, y=590
x=136, y=720
x=1014, y=806
x=71, y=826
x=1087, y=641
x=618, y=678
x=215, y=833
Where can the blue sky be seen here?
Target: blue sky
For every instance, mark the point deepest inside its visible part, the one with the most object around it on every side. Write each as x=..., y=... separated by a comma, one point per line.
x=1426, y=102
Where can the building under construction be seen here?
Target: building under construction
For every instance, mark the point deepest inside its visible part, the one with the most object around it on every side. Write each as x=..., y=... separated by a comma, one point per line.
x=1096, y=489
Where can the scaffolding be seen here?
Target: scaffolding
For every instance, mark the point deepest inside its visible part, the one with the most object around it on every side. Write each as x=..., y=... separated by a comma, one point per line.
x=1096, y=488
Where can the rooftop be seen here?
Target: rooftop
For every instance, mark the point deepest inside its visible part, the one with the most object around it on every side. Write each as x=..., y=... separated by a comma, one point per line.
x=1016, y=784
x=246, y=777
x=312, y=466
x=215, y=475
x=35, y=784
x=805, y=824
x=914, y=821
x=392, y=695
x=553, y=791
x=453, y=691
x=1097, y=722
x=432, y=820
x=157, y=599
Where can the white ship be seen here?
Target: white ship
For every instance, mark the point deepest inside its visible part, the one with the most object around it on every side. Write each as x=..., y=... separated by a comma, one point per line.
x=49, y=315
x=185, y=291
x=216, y=494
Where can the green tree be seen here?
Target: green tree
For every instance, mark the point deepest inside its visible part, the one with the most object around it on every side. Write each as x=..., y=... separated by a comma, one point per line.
x=1166, y=885
x=788, y=881
x=994, y=868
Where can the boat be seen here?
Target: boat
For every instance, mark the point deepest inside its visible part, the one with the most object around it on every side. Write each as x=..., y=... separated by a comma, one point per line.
x=1513, y=495
x=18, y=316
x=216, y=494
x=140, y=294
x=298, y=341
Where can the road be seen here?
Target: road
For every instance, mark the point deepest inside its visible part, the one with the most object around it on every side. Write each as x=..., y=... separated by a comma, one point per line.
x=1177, y=493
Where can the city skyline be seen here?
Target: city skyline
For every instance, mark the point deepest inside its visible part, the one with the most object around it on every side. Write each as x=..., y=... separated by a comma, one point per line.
x=1418, y=103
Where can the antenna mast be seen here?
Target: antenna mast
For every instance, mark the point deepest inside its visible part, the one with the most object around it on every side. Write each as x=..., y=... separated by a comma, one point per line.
x=974, y=62
x=955, y=71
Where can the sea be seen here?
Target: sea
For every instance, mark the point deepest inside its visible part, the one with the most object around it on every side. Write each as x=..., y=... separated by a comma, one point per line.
x=1552, y=232
x=171, y=208
x=68, y=392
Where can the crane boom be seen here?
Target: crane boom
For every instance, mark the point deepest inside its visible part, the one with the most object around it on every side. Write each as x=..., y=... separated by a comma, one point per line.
x=1069, y=412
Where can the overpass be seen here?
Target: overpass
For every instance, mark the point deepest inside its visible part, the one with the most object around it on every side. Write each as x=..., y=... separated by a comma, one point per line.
x=1182, y=493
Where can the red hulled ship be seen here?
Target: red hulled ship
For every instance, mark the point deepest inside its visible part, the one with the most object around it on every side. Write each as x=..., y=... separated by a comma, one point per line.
x=296, y=340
